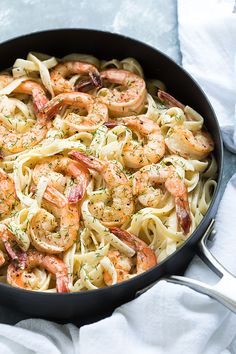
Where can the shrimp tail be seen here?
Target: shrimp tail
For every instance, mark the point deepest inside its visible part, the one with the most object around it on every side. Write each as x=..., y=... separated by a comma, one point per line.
x=77, y=193
x=19, y=258
x=124, y=236
x=62, y=284
x=37, y=92
x=146, y=257
x=50, y=109
x=183, y=214
x=39, y=100
x=110, y=124
x=53, y=196
x=169, y=100
x=96, y=79
x=130, y=239
x=2, y=258
x=89, y=84
x=11, y=246
x=88, y=161
x=21, y=261
x=82, y=175
x=2, y=155
x=84, y=86
x=10, y=249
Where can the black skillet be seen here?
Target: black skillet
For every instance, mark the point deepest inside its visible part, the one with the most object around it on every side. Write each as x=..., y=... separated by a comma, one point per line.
x=90, y=305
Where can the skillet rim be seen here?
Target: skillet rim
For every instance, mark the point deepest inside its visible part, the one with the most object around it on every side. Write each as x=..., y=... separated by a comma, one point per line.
x=219, y=166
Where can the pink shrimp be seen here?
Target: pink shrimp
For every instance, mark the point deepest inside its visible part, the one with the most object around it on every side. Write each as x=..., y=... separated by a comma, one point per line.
x=150, y=149
x=123, y=102
x=121, y=208
x=169, y=100
x=97, y=112
x=46, y=234
x=63, y=70
x=53, y=167
x=193, y=145
x=154, y=175
x=12, y=142
x=28, y=87
x=145, y=257
x=7, y=194
x=21, y=277
x=12, y=245
x=2, y=258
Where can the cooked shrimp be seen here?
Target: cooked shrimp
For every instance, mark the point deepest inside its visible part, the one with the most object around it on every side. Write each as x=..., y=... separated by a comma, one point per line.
x=63, y=70
x=21, y=278
x=145, y=256
x=122, y=265
x=46, y=235
x=155, y=175
x=181, y=141
x=150, y=150
x=12, y=142
x=193, y=145
x=7, y=194
x=38, y=94
x=123, y=102
x=96, y=116
x=122, y=206
x=169, y=100
x=11, y=244
x=29, y=88
x=5, y=79
x=2, y=258
x=54, y=167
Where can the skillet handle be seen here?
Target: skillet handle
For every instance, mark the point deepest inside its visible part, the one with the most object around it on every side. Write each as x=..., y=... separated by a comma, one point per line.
x=225, y=290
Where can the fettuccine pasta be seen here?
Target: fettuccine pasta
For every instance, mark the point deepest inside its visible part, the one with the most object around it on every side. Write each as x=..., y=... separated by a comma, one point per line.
x=103, y=174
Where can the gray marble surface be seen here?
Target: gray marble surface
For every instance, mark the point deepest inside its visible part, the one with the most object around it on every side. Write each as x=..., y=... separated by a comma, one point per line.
x=151, y=21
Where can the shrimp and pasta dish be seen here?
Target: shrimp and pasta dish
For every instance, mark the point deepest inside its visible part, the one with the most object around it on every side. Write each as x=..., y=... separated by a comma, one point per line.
x=103, y=174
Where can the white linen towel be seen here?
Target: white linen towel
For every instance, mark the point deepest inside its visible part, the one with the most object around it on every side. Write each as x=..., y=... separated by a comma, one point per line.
x=207, y=34
x=168, y=318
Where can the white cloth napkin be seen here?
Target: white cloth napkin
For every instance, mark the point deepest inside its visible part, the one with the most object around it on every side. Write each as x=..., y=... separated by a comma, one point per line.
x=207, y=34
x=166, y=319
